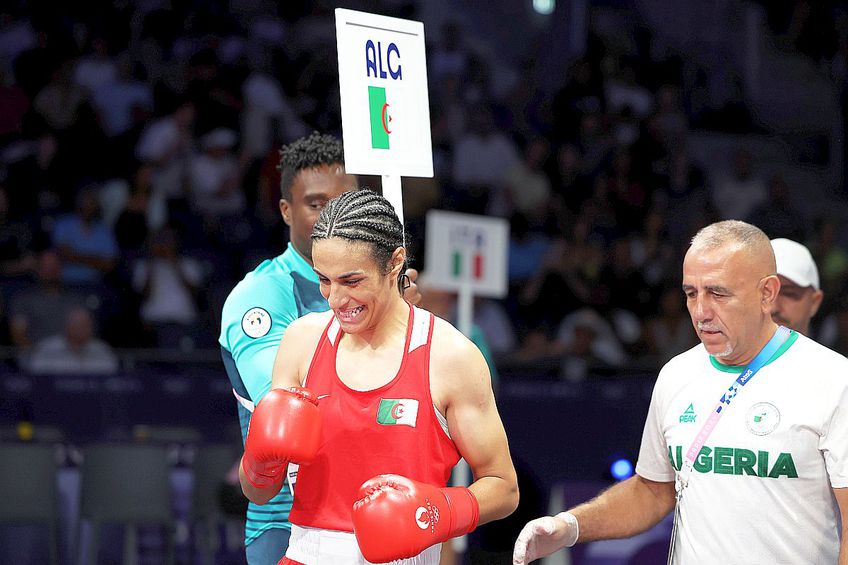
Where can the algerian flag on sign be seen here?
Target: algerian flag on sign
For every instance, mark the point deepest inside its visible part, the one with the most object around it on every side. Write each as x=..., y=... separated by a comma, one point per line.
x=397, y=411
x=379, y=117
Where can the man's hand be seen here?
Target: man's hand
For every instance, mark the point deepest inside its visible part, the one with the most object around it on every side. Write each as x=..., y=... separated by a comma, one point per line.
x=544, y=536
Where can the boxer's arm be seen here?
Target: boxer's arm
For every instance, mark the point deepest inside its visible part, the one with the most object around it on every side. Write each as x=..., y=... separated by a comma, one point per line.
x=465, y=387
x=842, y=500
x=296, y=347
x=625, y=509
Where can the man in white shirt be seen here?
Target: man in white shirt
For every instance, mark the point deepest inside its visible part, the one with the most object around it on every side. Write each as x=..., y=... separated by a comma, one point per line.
x=769, y=479
x=76, y=351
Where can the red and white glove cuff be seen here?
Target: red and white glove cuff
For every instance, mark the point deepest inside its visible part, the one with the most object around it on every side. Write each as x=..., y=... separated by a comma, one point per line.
x=464, y=510
x=259, y=479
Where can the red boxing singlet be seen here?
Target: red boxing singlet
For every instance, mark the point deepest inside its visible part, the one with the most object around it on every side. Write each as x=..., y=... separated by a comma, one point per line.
x=391, y=429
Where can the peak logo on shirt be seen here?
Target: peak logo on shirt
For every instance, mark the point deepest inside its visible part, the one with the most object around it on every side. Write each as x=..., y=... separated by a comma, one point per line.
x=688, y=416
x=737, y=461
x=397, y=411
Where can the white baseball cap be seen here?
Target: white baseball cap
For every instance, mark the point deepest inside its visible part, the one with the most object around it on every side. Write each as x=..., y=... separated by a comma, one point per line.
x=795, y=262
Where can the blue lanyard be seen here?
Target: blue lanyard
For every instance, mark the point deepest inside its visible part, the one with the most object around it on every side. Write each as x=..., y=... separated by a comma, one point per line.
x=763, y=357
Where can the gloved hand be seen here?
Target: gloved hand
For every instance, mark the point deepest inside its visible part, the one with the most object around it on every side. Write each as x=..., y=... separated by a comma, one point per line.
x=397, y=517
x=543, y=536
x=285, y=427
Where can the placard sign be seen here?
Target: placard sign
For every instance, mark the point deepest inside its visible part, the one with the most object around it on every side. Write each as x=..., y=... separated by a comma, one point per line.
x=465, y=251
x=384, y=101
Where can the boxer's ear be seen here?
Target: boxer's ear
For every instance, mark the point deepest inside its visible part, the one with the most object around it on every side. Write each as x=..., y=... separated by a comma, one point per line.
x=397, y=263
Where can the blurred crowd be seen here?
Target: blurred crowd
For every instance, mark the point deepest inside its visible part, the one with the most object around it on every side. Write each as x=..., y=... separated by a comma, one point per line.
x=138, y=148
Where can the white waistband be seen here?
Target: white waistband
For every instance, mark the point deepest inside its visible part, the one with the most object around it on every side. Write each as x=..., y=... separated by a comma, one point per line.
x=317, y=546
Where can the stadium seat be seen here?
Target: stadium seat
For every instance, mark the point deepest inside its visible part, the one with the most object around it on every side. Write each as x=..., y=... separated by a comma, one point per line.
x=211, y=464
x=128, y=485
x=28, y=488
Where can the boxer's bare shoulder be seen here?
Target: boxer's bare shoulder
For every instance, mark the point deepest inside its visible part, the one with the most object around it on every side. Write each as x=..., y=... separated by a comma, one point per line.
x=296, y=348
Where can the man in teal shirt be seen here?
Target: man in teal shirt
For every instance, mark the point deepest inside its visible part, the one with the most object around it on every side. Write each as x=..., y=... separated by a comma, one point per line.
x=268, y=299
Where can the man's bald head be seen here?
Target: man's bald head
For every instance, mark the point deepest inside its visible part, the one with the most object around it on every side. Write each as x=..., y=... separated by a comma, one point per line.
x=734, y=235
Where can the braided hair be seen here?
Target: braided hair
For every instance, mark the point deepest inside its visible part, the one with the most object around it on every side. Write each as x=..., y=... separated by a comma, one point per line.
x=366, y=217
x=307, y=153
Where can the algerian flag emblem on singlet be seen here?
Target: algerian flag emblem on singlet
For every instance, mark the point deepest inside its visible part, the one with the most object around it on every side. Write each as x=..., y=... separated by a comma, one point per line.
x=397, y=411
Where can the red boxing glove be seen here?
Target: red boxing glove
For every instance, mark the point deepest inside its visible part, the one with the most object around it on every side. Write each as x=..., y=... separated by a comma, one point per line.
x=397, y=518
x=285, y=427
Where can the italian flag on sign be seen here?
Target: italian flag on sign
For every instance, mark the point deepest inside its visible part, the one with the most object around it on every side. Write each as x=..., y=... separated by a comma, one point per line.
x=397, y=411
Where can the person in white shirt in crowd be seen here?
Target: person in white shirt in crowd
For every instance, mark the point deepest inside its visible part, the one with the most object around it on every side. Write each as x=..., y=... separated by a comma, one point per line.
x=216, y=189
x=76, y=351
x=168, y=284
x=116, y=101
x=167, y=144
x=739, y=191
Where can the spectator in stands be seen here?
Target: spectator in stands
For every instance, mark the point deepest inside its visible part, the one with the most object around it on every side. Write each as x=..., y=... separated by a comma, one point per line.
x=630, y=197
x=39, y=312
x=586, y=339
x=595, y=142
x=651, y=251
x=139, y=215
x=623, y=91
x=36, y=178
x=527, y=186
x=570, y=180
x=86, y=245
x=74, y=351
x=834, y=329
x=117, y=100
x=527, y=247
x=168, y=284
x=830, y=256
x=582, y=94
x=60, y=99
x=778, y=216
x=621, y=284
x=97, y=69
x=5, y=324
x=685, y=198
x=167, y=144
x=668, y=332
x=737, y=194
x=670, y=120
x=482, y=157
x=449, y=56
x=215, y=178
x=491, y=317
x=15, y=238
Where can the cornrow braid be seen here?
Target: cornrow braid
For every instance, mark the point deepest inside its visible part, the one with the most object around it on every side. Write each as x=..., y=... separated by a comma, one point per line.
x=307, y=153
x=363, y=216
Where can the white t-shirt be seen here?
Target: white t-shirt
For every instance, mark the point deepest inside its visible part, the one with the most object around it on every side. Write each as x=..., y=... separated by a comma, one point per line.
x=170, y=301
x=761, y=491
